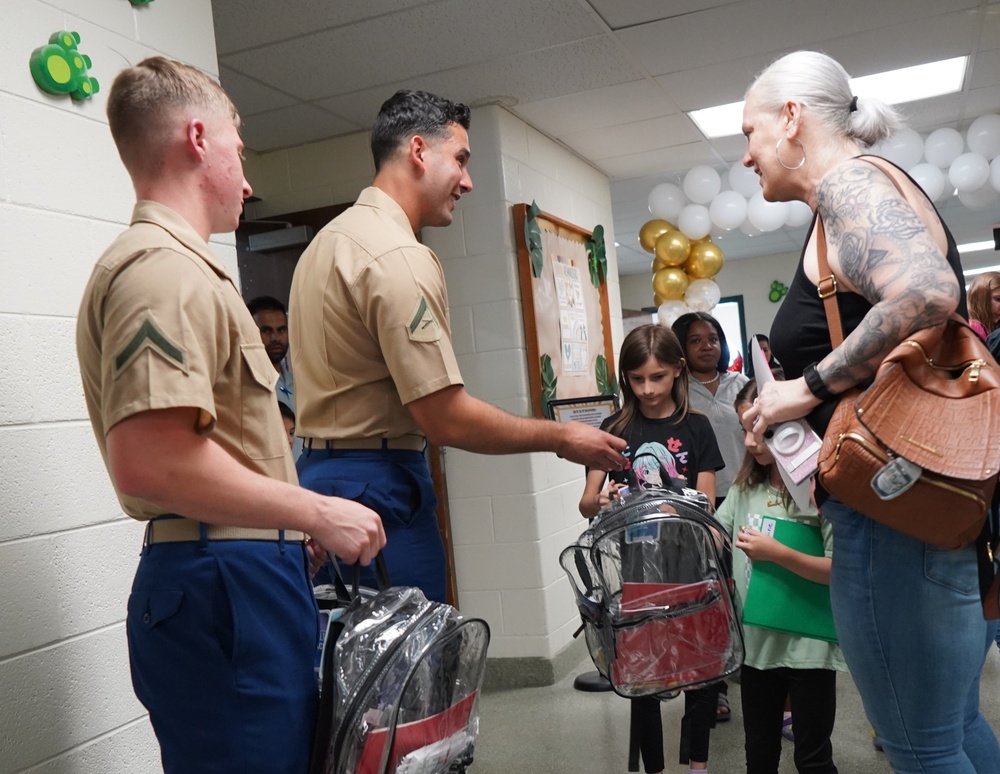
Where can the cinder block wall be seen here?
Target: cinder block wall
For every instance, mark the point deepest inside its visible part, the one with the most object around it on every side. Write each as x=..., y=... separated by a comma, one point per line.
x=512, y=516
x=67, y=553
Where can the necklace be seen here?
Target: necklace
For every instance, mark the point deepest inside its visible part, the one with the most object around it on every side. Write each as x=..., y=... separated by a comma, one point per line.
x=713, y=380
x=774, y=496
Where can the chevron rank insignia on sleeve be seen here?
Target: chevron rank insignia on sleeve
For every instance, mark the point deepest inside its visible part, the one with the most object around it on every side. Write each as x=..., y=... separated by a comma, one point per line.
x=423, y=326
x=150, y=337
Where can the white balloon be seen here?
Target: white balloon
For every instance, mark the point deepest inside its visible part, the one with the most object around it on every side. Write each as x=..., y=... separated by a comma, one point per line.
x=984, y=136
x=743, y=179
x=904, y=148
x=981, y=199
x=701, y=184
x=702, y=295
x=969, y=172
x=728, y=210
x=942, y=147
x=995, y=173
x=694, y=221
x=666, y=201
x=799, y=213
x=750, y=229
x=765, y=215
x=930, y=178
x=670, y=311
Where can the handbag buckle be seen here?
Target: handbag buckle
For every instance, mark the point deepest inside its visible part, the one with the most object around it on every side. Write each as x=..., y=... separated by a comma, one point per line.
x=830, y=288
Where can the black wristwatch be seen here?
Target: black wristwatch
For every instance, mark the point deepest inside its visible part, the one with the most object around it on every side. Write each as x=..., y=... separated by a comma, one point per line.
x=815, y=383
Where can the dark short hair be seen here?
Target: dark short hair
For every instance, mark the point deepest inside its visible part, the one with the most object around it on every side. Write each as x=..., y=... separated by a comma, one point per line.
x=266, y=304
x=407, y=113
x=286, y=411
x=683, y=324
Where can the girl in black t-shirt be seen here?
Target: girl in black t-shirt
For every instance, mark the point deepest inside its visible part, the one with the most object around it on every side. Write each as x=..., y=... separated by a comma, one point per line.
x=655, y=420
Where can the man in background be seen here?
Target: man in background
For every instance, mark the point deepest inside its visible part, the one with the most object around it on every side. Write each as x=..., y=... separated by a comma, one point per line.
x=222, y=624
x=272, y=322
x=376, y=374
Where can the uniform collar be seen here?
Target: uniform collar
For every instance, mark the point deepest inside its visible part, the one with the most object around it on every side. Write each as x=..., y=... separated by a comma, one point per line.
x=380, y=200
x=160, y=215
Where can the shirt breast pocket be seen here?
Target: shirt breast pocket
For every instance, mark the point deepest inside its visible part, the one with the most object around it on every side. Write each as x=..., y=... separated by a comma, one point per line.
x=262, y=433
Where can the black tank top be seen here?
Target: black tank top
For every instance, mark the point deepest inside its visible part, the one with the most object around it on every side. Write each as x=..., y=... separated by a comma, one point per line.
x=799, y=333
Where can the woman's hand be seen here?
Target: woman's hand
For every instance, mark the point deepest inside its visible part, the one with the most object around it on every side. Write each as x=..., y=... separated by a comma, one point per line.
x=778, y=402
x=758, y=546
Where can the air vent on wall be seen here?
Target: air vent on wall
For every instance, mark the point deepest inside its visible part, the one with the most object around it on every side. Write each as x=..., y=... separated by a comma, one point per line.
x=281, y=239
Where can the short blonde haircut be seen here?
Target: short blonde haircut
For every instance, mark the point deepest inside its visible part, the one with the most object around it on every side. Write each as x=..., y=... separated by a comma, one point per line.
x=143, y=99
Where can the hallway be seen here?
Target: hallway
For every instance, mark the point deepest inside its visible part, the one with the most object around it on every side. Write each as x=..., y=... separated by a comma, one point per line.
x=559, y=729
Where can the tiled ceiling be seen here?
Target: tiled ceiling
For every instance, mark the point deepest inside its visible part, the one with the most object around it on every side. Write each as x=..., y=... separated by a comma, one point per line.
x=608, y=79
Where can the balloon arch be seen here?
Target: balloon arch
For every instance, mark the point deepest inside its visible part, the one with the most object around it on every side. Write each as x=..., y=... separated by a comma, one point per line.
x=686, y=217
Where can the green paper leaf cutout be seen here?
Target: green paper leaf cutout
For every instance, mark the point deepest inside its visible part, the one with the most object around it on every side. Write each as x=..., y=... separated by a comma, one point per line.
x=533, y=239
x=597, y=257
x=548, y=382
x=607, y=383
x=60, y=68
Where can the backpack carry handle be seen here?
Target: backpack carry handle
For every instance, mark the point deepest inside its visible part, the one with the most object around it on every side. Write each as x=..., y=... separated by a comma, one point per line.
x=382, y=578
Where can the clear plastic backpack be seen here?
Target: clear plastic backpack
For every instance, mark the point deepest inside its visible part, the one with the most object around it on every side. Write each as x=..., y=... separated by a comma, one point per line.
x=654, y=588
x=401, y=678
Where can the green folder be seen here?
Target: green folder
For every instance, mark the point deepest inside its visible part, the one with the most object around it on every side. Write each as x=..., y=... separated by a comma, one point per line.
x=781, y=600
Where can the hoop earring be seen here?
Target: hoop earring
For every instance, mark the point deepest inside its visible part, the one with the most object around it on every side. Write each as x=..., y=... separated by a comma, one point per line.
x=777, y=154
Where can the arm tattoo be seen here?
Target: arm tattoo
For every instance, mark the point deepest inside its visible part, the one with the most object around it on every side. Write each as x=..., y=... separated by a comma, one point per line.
x=886, y=252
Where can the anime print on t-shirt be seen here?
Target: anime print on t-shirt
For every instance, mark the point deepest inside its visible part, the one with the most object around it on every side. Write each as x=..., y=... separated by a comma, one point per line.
x=652, y=460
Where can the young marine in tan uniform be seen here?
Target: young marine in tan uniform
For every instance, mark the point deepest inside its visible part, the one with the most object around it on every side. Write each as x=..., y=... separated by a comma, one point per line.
x=375, y=372
x=222, y=624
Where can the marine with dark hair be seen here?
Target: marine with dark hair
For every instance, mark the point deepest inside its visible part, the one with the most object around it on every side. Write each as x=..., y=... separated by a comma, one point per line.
x=409, y=112
x=376, y=374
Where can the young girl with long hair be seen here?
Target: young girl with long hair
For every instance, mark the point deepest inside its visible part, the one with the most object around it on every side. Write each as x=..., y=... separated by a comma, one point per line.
x=657, y=423
x=984, y=303
x=778, y=664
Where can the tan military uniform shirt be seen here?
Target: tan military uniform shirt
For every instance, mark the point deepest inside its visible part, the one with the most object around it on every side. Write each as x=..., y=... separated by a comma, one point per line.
x=161, y=325
x=368, y=325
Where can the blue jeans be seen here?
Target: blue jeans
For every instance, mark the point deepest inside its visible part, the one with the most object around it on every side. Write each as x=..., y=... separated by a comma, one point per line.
x=911, y=627
x=396, y=484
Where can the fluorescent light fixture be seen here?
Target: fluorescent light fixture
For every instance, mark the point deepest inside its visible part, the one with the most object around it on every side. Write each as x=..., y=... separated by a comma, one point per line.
x=892, y=87
x=976, y=247
x=719, y=121
x=981, y=270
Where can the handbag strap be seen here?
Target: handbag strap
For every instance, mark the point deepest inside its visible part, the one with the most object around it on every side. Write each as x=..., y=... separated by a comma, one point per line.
x=827, y=287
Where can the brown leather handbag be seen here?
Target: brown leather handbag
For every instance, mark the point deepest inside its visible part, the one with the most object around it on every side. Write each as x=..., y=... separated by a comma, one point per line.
x=919, y=450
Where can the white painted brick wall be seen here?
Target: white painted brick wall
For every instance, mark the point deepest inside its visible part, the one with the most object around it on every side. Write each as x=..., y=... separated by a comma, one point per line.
x=67, y=552
x=512, y=547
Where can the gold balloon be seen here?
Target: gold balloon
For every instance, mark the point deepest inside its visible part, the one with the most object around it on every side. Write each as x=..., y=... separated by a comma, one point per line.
x=705, y=261
x=670, y=283
x=651, y=231
x=658, y=300
x=672, y=249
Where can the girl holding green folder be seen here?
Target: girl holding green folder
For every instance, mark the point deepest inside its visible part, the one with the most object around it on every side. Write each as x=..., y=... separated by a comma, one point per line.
x=778, y=663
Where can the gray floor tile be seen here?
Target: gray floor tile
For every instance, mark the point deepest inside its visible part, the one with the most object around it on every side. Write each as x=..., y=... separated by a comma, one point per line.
x=559, y=729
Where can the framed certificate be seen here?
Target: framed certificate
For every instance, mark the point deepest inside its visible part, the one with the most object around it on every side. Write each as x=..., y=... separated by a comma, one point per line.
x=591, y=411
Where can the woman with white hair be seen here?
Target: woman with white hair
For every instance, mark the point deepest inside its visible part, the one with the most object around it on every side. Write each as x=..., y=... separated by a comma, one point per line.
x=908, y=614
